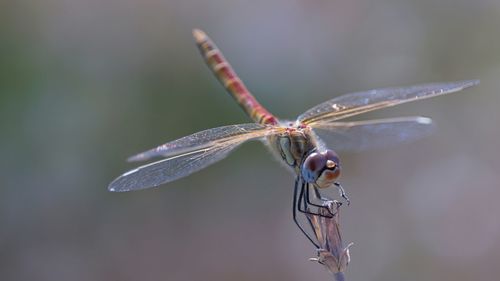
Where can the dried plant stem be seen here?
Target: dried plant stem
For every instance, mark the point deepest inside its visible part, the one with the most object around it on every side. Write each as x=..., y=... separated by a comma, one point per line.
x=339, y=276
x=331, y=252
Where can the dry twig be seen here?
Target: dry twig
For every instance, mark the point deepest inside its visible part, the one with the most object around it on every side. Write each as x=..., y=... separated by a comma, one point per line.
x=331, y=253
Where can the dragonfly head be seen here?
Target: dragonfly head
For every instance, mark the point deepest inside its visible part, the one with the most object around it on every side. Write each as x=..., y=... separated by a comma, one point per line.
x=321, y=168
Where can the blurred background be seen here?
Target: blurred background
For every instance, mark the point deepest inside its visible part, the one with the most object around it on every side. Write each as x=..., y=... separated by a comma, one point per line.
x=85, y=83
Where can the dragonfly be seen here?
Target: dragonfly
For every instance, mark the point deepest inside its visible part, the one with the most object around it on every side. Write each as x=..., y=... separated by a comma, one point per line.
x=296, y=143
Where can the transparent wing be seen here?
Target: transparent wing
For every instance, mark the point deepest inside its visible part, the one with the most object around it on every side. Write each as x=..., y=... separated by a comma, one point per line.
x=356, y=103
x=379, y=133
x=203, y=139
x=170, y=169
x=193, y=155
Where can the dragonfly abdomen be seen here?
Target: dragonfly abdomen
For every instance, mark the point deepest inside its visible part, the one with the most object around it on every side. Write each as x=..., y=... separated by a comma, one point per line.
x=230, y=80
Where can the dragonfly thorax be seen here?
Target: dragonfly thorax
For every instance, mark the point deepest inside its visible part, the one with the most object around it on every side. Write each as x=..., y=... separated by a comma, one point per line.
x=321, y=168
x=293, y=145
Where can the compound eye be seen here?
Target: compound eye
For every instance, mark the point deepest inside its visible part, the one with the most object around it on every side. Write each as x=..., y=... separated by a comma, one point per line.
x=313, y=166
x=332, y=156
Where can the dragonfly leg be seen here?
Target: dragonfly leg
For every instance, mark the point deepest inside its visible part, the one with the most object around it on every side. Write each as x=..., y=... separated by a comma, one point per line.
x=325, y=201
x=304, y=203
x=342, y=193
x=296, y=206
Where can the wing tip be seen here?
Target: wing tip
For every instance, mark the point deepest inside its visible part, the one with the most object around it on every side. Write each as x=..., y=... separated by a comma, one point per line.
x=135, y=158
x=113, y=188
x=116, y=186
x=470, y=83
x=424, y=120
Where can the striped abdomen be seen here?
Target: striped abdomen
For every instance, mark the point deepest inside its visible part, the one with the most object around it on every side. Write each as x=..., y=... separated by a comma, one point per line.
x=230, y=80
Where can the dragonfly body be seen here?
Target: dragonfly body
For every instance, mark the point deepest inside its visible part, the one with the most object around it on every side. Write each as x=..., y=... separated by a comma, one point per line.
x=296, y=143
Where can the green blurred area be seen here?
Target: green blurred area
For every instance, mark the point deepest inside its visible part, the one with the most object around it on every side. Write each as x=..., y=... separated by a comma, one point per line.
x=85, y=84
